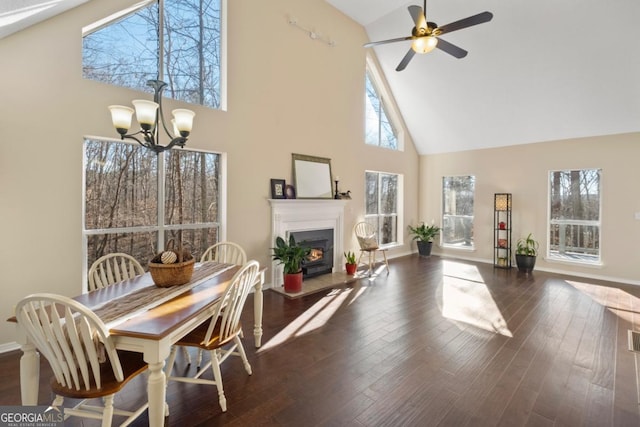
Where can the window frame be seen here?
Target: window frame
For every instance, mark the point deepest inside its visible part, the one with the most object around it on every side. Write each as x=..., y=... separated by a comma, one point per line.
x=554, y=256
x=126, y=12
x=387, y=101
x=464, y=247
x=399, y=214
x=161, y=226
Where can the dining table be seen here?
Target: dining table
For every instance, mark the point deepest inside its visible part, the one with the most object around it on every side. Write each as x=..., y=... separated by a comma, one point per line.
x=148, y=319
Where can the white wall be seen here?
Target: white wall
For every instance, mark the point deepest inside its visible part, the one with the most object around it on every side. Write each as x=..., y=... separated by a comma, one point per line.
x=287, y=94
x=523, y=170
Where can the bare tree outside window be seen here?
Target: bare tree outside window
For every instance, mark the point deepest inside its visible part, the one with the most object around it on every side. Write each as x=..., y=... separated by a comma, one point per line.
x=121, y=199
x=381, y=199
x=126, y=52
x=379, y=130
x=458, y=194
x=574, y=215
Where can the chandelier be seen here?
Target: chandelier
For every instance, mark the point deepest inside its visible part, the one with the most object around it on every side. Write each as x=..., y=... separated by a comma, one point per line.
x=149, y=115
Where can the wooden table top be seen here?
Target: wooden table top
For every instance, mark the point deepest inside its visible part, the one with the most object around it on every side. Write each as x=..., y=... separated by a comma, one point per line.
x=159, y=321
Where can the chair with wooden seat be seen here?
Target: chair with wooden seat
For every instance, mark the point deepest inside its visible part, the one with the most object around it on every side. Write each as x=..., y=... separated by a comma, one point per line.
x=83, y=358
x=368, y=241
x=113, y=268
x=221, y=335
x=225, y=252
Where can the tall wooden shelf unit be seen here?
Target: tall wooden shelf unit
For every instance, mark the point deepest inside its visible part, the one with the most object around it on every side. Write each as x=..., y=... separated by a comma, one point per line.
x=502, y=230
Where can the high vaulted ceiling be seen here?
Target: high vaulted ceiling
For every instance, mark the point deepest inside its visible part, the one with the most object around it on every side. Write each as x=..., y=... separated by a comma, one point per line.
x=539, y=71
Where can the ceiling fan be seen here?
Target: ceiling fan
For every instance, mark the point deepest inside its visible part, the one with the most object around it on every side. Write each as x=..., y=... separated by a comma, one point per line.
x=425, y=35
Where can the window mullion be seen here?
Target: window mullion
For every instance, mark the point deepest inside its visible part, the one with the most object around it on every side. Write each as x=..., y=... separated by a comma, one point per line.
x=161, y=40
x=161, y=199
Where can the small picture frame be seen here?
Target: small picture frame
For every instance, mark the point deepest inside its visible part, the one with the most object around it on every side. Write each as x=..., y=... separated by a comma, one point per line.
x=290, y=191
x=278, y=189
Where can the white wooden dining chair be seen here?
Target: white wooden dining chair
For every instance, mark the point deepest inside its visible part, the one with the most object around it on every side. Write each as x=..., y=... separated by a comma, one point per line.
x=221, y=335
x=225, y=252
x=113, y=268
x=83, y=358
x=368, y=241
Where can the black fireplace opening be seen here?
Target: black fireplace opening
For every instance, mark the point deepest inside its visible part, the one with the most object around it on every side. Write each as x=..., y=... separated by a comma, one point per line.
x=320, y=259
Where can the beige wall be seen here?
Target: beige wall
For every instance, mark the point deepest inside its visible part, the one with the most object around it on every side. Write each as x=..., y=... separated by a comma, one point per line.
x=523, y=171
x=287, y=93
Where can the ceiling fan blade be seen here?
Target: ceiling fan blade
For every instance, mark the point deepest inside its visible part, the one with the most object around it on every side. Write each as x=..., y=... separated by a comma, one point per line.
x=451, y=49
x=418, y=16
x=405, y=61
x=466, y=22
x=399, y=39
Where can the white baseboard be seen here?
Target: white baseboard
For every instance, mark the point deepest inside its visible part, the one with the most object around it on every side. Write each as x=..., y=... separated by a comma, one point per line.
x=10, y=346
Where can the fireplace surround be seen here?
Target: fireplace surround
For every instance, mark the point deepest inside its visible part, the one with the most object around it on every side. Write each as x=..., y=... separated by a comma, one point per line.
x=301, y=215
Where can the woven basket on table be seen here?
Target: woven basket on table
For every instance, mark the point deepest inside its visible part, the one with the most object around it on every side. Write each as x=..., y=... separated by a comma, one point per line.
x=165, y=275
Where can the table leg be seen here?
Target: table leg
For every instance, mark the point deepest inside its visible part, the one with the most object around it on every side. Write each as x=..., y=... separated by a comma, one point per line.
x=156, y=392
x=257, y=310
x=29, y=374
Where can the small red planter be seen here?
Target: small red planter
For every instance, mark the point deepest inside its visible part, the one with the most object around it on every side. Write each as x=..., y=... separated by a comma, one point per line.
x=351, y=269
x=293, y=283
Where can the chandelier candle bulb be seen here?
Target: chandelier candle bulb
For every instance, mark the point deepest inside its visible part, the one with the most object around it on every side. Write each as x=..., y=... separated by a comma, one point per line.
x=145, y=112
x=121, y=117
x=183, y=121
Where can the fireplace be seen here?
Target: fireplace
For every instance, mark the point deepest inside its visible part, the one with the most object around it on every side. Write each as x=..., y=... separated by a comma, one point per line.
x=320, y=259
x=300, y=215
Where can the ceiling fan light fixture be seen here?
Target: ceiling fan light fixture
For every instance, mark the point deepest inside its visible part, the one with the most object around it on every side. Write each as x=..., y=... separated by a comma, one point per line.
x=424, y=44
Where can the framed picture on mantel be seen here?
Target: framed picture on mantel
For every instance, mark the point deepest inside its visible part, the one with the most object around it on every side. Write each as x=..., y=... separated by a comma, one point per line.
x=278, y=189
x=290, y=191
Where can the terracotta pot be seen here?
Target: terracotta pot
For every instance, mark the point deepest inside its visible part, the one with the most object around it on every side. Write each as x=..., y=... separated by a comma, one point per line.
x=351, y=269
x=293, y=283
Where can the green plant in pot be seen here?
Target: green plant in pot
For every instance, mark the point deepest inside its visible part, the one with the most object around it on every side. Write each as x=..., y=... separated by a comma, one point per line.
x=290, y=255
x=526, y=253
x=350, y=265
x=424, y=235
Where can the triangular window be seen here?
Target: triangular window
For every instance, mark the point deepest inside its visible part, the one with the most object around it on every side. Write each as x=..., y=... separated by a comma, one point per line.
x=125, y=50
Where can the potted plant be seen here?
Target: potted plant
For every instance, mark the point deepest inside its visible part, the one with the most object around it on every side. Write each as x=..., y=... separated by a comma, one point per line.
x=290, y=256
x=424, y=235
x=526, y=252
x=350, y=265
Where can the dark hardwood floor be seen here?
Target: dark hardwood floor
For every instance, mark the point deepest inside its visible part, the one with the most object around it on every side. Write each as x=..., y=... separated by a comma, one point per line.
x=437, y=342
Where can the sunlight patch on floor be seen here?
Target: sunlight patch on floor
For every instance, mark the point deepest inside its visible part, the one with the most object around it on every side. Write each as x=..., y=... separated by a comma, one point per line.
x=371, y=275
x=315, y=317
x=466, y=298
x=618, y=301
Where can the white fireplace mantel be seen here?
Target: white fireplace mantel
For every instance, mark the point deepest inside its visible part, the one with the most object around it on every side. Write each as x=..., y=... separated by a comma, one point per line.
x=289, y=215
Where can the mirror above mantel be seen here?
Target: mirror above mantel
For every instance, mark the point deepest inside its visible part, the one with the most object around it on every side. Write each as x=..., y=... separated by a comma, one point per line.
x=312, y=177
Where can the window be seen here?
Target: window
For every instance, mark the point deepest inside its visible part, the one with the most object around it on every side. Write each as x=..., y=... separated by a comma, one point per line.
x=458, y=193
x=382, y=200
x=125, y=183
x=574, y=215
x=125, y=49
x=379, y=126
